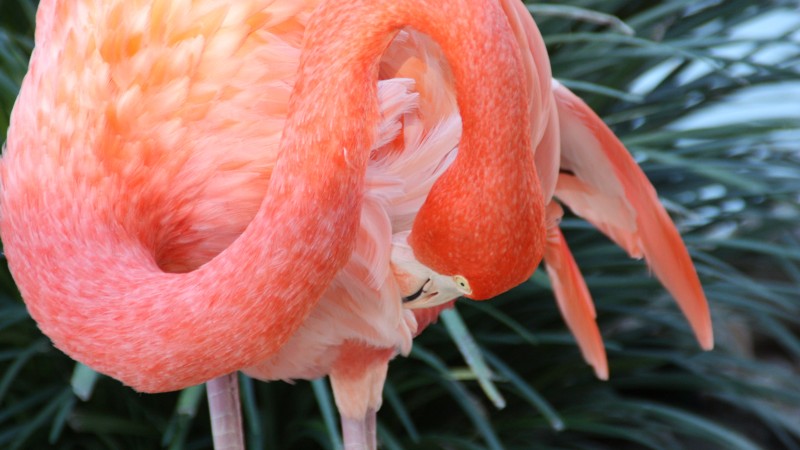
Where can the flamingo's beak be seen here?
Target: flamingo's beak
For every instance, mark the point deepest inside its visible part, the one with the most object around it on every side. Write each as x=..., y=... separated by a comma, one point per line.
x=420, y=286
x=436, y=290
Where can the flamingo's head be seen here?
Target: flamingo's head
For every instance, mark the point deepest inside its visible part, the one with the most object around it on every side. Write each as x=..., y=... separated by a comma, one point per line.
x=484, y=247
x=419, y=285
x=482, y=224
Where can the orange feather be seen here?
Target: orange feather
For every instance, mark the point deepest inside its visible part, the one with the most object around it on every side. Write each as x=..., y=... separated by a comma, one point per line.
x=603, y=184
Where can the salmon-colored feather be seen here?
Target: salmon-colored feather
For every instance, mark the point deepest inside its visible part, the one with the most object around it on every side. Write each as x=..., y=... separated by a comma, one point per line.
x=572, y=295
x=603, y=184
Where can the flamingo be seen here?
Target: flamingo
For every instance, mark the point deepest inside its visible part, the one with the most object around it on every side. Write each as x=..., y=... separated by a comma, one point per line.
x=195, y=188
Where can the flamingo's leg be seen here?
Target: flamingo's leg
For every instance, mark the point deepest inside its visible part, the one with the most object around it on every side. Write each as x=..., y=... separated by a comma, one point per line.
x=359, y=434
x=357, y=378
x=226, y=414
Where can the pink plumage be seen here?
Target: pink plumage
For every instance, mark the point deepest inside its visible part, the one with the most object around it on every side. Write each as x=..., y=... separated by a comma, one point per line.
x=195, y=188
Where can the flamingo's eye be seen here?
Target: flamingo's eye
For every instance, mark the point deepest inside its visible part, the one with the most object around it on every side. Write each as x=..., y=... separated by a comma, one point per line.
x=462, y=284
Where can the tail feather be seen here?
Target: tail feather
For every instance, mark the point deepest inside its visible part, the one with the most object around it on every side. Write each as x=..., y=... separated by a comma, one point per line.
x=600, y=182
x=574, y=300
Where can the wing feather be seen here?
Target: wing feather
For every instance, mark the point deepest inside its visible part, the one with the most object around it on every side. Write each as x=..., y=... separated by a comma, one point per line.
x=602, y=183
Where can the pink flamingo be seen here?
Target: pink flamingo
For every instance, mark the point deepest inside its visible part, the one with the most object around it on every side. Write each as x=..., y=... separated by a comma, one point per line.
x=191, y=190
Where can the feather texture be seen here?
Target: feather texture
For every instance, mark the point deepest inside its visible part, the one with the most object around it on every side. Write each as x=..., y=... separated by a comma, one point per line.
x=600, y=182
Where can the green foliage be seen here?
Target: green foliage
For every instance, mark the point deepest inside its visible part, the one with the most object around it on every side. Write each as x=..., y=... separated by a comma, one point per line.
x=686, y=85
x=16, y=43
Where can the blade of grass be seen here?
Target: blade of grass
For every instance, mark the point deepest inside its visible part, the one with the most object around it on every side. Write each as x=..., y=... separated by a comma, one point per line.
x=60, y=419
x=472, y=355
x=581, y=14
x=323, y=395
x=19, y=362
x=83, y=381
x=697, y=425
x=461, y=396
x=252, y=415
x=39, y=419
x=391, y=397
x=174, y=437
x=528, y=392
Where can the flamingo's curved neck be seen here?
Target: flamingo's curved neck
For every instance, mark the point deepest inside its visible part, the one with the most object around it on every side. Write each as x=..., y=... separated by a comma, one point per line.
x=102, y=299
x=484, y=219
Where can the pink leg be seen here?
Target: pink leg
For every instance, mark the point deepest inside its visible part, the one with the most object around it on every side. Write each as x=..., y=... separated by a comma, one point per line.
x=225, y=411
x=359, y=434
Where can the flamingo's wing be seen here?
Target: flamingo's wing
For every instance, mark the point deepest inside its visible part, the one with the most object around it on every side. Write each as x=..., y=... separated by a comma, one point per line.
x=572, y=295
x=600, y=182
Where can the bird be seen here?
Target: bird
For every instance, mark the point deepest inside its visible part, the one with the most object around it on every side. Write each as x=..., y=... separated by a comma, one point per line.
x=190, y=189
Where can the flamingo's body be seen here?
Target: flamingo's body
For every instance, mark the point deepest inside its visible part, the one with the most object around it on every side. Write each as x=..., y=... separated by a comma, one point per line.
x=148, y=134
